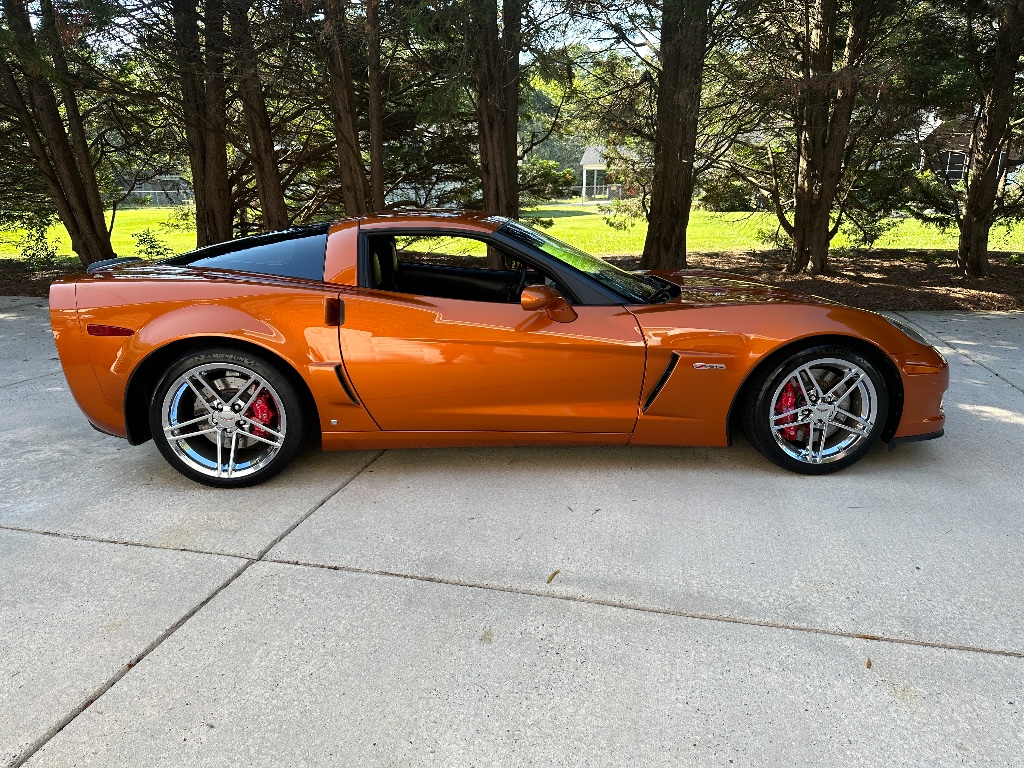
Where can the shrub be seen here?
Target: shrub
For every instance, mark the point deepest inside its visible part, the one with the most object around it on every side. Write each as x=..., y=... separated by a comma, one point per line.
x=37, y=250
x=149, y=246
x=182, y=218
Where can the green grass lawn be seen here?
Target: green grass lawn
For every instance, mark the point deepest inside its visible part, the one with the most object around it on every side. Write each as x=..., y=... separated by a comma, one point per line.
x=127, y=223
x=582, y=226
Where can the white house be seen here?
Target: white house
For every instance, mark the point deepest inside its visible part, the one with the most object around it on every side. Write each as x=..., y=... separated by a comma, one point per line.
x=594, y=167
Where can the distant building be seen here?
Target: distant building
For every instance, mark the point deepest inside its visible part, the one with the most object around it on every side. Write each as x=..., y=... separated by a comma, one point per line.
x=951, y=145
x=594, y=169
x=166, y=190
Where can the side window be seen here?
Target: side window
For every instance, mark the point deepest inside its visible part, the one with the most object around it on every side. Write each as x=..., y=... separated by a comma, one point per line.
x=446, y=251
x=295, y=257
x=448, y=267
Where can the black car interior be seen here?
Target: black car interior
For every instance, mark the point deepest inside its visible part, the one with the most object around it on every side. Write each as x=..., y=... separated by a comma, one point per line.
x=389, y=271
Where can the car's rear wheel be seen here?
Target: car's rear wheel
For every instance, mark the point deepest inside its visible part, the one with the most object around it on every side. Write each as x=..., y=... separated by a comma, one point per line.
x=818, y=411
x=226, y=418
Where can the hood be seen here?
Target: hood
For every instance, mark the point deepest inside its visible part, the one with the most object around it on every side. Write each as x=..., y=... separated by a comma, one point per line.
x=708, y=287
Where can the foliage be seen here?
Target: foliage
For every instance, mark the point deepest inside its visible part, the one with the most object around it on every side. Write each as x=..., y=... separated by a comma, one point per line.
x=149, y=246
x=722, y=192
x=26, y=201
x=36, y=249
x=541, y=180
x=589, y=76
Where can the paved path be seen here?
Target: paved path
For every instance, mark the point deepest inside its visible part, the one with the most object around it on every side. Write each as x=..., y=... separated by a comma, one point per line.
x=395, y=608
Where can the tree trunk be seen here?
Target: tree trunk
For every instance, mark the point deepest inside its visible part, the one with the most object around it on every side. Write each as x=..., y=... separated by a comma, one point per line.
x=497, y=102
x=204, y=115
x=376, y=106
x=76, y=126
x=257, y=120
x=684, y=33
x=63, y=160
x=822, y=124
x=496, y=62
x=354, y=191
x=810, y=238
x=993, y=132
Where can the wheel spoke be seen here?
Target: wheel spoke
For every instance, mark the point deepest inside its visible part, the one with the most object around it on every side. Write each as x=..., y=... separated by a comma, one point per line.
x=814, y=382
x=200, y=397
x=275, y=443
x=179, y=425
x=855, y=429
x=816, y=456
x=858, y=427
x=809, y=450
x=260, y=425
x=842, y=381
x=194, y=434
x=220, y=463
x=780, y=427
x=787, y=414
x=803, y=389
x=212, y=390
x=231, y=456
x=241, y=391
x=862, y=422
x=850, y=389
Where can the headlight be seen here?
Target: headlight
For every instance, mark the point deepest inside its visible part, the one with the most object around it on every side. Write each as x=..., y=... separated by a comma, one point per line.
x=909, y=330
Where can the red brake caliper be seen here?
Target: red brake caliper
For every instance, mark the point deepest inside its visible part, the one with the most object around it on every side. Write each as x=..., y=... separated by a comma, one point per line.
x=261, y=410
x=787, y=402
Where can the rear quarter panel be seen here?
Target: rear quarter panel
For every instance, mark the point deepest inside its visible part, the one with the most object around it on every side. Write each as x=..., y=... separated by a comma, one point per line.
x=284, y=317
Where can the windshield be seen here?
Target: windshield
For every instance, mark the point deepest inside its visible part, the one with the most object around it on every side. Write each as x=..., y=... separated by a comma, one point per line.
x=635, y=288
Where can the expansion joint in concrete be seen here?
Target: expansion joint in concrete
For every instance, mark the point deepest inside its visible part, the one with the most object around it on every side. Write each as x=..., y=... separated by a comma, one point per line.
x=851, y=635
x=39, y=743
x=32, y=378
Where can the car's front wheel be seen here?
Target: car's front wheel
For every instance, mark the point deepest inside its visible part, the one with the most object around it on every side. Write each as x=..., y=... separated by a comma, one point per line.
x=225, y=418
x=818, y=411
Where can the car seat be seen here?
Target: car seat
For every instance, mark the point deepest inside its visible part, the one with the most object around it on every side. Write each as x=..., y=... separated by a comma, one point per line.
x=384, y=263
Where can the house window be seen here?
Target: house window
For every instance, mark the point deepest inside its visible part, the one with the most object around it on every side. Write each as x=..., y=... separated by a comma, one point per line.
x=952, y=166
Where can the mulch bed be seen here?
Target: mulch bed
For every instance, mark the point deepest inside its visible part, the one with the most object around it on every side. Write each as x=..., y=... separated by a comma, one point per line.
x=877, y=279
x=881, y=279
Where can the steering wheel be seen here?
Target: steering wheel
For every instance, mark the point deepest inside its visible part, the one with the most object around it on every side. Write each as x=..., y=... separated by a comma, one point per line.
x=515, y=290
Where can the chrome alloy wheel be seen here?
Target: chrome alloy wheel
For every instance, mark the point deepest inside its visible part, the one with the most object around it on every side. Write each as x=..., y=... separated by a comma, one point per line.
x=823, y=410
x=223, y=420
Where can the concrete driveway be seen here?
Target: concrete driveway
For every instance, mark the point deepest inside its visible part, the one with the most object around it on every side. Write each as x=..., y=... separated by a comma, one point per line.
x=398, y=608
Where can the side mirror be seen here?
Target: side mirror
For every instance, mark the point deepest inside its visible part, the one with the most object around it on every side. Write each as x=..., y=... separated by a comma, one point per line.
x=537, y=297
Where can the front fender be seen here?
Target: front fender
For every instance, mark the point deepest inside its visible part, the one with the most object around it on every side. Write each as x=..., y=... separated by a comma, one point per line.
x=718, y=347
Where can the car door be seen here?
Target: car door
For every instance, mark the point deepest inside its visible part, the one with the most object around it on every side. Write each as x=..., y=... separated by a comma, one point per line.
x=429, y=363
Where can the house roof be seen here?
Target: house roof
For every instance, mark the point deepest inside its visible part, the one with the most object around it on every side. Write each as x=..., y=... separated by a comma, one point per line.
x=958, y=135
x=593, y=155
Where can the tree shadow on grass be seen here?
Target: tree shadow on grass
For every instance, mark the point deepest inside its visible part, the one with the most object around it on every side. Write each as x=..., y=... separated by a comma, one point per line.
x=559, y=213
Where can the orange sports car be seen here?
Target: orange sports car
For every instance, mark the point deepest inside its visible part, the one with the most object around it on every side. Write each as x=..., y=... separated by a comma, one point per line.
x=456, y=329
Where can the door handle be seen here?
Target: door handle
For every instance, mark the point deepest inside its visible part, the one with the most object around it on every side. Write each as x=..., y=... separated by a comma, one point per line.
x=334, y=312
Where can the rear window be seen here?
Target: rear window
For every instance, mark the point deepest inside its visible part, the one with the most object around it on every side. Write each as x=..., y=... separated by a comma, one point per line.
x=293, y=257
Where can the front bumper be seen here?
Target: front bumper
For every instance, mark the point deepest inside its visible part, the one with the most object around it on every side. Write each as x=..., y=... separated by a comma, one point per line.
x=925, y=376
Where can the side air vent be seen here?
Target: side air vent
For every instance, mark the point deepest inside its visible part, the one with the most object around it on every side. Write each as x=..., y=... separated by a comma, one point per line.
x=345, y=385
x=672, y=363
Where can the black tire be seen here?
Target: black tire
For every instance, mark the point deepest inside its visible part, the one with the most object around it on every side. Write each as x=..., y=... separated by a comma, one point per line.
x=271, y=436
x=791, y=444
